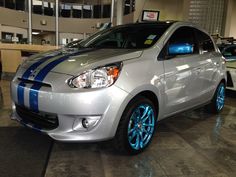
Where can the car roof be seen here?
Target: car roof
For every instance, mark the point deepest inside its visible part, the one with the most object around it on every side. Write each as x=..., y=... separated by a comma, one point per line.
x=161, y=23
x=167, y=23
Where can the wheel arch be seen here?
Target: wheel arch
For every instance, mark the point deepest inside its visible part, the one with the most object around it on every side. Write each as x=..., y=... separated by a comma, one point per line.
x=151, y=96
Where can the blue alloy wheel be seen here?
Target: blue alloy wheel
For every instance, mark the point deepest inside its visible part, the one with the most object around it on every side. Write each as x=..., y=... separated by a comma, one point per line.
x=220, y=98
x=141, y=126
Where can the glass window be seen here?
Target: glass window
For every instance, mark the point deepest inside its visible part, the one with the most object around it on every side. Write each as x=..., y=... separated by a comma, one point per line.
x=133, y=5
x=20, y=37
x=37, y=7
x=1, y=2
x=127, y=7
x=184, y=35
x=20, y=5
x=48, y=8
x=97, y=10
x=7, y=37
x=10, y=4
x=77, y=11
x=106, y=11
x=205, y=42
x=87, y=11
x=230, y=52
x=65, y=10
x=127, y=37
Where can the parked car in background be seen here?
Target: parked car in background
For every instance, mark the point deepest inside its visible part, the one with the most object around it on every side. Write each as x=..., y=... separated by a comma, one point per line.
x=229, y=52
x=119, y=83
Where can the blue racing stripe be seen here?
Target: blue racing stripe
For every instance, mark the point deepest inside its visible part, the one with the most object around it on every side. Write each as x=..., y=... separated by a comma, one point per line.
x=43, y=73
x=20, y=93
x=20, y=88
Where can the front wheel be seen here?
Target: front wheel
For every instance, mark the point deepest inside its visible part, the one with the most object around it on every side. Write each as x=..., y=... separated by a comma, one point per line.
x=218, y=101
x=136, y=127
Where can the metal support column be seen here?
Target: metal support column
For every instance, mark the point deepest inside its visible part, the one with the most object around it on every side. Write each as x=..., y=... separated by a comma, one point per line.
x=112, y=11
x=57, y=22
x=30, y=21
x=119, y=12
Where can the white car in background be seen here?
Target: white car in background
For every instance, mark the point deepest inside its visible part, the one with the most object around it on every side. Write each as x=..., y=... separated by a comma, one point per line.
x=229, y=52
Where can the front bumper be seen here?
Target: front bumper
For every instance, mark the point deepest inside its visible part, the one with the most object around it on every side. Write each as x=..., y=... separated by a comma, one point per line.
x=105, y=105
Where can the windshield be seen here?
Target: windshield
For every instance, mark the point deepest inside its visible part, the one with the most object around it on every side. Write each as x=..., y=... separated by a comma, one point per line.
x=126, y=37
x=74, y=44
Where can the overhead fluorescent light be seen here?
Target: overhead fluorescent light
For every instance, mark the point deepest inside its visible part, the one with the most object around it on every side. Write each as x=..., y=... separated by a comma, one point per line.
x=35, y=33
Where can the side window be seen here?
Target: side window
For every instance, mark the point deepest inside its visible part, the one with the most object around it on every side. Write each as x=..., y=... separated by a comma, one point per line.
x=205, y=42
x=230, y=52
x=184, y=35
x=182, y=42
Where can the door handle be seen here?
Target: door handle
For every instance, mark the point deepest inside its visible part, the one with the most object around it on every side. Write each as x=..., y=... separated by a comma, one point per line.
x=217, y=63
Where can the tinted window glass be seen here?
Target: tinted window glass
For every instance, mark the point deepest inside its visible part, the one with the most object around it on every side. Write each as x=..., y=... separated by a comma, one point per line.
x=127, y=7
x=66, y=10
x=230, y=52
x=128, y=37
x=87, y=11
x=205, y=42
x=106, y=11
x=48, y=8
x=20, y=5
x=10, y=4
x=184, y=35
x=133, y=5
x=37, y=7
x=1, y=2
x=77, y=11
x=97, y=11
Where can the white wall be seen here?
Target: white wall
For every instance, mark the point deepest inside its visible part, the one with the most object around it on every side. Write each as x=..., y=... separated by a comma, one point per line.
x=232, y=31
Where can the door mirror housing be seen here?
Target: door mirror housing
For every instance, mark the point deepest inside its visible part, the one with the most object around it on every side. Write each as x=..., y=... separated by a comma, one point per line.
x=180, y=49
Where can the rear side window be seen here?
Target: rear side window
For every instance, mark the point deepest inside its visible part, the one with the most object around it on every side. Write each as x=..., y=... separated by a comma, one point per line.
x=230, y=52
x=205, y=42
x=185, y=35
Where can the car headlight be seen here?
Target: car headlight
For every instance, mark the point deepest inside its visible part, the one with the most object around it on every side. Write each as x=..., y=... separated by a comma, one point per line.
x=97, y=78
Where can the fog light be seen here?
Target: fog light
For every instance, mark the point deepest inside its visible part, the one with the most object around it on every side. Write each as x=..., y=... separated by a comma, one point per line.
x=85, y=123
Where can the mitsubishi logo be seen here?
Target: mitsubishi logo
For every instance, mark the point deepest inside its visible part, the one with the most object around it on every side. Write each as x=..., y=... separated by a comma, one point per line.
x=33, y=73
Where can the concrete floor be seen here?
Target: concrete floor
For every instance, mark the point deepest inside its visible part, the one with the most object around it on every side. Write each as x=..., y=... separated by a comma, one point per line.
x=192, y=144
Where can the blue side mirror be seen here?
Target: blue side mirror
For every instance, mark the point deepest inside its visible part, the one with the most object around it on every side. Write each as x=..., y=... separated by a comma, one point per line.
x=180, y=49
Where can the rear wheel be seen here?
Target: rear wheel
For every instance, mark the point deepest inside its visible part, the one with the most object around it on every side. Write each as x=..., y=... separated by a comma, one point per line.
x=136, y=127
x=218, y=101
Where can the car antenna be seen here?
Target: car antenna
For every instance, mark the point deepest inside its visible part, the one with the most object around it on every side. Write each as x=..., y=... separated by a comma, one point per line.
x=141, y=11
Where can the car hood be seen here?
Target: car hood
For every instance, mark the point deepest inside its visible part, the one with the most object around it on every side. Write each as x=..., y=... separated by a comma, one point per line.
x=73, y=61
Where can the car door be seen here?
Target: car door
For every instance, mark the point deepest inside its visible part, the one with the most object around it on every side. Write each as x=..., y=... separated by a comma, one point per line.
x=181, y=84
x=209, y=61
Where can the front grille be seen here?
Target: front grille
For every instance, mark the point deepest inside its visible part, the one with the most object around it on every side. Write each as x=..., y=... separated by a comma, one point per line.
x=39, y=120
x=26, y=81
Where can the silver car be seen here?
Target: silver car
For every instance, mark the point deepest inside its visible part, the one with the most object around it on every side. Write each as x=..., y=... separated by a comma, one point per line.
x=119, y=83
x=229, y=52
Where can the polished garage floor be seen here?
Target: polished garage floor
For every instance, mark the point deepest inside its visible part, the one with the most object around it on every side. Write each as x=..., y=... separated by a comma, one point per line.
x=192, y=144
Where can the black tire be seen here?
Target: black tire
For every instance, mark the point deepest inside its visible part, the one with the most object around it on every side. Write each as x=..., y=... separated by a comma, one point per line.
x=213, y=107
x=121, y=141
